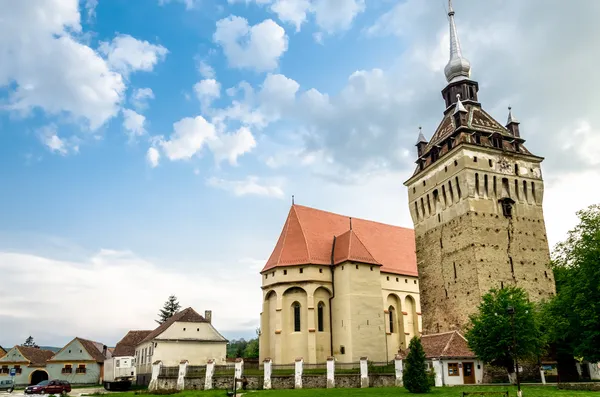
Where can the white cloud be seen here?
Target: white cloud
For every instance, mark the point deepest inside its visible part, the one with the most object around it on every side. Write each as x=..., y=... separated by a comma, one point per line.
x=207, y=91
x=139, y=98
x=188, y=138
x=133, y=123
x=205, y=70
x=252, y=185
x=90, y=8
x=256, y=47
x=52, y=141
x=331, y=16
x=153, y=157
x=231, y=146
x=127, y=54
x=42, y=312
x=45, y=67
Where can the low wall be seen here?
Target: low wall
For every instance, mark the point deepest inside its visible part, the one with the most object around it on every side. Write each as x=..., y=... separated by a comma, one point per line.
x=592, y=386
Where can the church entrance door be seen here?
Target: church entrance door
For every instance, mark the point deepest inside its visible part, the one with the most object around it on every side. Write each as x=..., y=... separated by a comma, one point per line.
x=468, y=374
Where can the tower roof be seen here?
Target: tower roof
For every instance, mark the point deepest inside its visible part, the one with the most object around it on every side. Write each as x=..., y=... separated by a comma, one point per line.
x=458, y=67
x=307, y=238
x=421, y=138
x=511, y=118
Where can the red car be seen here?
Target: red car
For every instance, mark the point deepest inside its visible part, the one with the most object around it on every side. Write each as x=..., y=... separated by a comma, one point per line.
x=49, y=387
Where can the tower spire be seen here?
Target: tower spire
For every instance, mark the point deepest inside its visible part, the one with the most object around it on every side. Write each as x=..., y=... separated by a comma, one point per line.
x=458, y=67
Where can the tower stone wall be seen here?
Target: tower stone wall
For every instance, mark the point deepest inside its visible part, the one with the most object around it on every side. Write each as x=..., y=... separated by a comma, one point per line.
x=466, y=242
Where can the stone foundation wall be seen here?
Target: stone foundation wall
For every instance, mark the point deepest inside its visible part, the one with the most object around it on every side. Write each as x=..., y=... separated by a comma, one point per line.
x=593, y=386
x=314, y=382
x=382, y=380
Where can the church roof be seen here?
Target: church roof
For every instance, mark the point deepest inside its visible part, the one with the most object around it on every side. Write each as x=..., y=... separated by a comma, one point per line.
x=446, y=345
x=307, y=238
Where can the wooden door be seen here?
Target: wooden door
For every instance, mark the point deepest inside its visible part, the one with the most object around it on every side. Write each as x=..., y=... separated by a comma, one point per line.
x=468, y=373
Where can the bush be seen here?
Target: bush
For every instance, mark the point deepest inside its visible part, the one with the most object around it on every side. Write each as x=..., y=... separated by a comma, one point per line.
x=415, y=376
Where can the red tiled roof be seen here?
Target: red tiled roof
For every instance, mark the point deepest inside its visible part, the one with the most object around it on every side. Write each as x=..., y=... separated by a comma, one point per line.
x=2, y=352
x=188, y=315
x=94, y=349
x=126, y=346
x=307, y=238
x=35, y=355
x=446, y=344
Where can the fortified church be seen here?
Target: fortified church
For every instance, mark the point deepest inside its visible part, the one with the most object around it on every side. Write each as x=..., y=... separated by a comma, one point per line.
x=350, y=288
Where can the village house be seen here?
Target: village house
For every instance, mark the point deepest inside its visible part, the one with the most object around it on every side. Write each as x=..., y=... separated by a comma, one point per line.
x=80, y=362
x=185, y=336
x=29, y=363
x=339, y=286
x=448, y=354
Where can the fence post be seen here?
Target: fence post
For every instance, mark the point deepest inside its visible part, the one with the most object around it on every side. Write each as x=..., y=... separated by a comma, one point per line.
x=155, y=372
x=364, y=372
x=210, y=370
x=298, y=373
x=330, y=372
x=182, y=373
x=239, y=371
x=398, y=370
x=542, y=375
x=267, y=372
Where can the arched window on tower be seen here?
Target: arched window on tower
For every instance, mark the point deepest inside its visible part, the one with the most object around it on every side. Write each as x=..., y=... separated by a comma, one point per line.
x=296, y=312
x=320, y=310
x=391, y=318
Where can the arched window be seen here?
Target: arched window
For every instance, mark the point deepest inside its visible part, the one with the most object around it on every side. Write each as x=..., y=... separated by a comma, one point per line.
x=391, y=319
x=296, y=307
x=320, y=310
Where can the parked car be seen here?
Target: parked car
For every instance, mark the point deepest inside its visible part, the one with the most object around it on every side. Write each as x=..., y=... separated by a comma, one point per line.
x=49, y=387
x=7, y=385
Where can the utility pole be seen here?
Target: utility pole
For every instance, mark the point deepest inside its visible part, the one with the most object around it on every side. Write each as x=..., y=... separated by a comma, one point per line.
x=511, y=311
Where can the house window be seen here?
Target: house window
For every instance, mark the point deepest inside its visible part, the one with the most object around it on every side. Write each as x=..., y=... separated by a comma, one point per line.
x=301, y=270
x=284, y=272
x=453, y=369
x=118, y=363
x=391, y=318
x=4, y=369
x=342, y=350
x=80, y=369
x=18, y=369
x=67, y=369
x=296, y=307
x=320, y=316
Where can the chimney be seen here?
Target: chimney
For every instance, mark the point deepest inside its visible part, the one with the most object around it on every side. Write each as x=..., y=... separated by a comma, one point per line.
x=208, y=315
x=104, y=348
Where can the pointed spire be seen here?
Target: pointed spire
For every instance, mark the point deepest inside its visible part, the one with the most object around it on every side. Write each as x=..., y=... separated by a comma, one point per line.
x=421, y=138
x=292, y=199
x=458, y=67
x=350, y=223
x=459, y=106
x=511, y=119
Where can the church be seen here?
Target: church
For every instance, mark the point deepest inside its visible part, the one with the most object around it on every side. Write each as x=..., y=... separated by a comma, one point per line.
x=351, y=288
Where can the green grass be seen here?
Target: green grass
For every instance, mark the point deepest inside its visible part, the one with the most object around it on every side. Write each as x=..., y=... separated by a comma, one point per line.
x=528, y=391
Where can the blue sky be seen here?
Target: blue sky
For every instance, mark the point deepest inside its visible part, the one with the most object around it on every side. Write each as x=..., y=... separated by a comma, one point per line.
x=150, y=148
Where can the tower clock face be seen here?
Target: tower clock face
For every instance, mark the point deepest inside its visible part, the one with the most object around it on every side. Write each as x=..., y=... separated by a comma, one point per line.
x=504, y=165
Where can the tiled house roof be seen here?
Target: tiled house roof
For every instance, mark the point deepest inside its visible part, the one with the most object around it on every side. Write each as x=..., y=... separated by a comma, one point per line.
x=36, y=356
x=188, y=315
x=126, y=346
x=446, y=345
x=2, y=352
x=94, y=349
x=307, y=238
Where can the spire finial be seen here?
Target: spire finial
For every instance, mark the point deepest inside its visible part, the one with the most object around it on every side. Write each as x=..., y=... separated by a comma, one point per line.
x=421, y=138
x=350, y=223
x=459, y=106
x=292, y=199
x=458, y=68
x=511, y=119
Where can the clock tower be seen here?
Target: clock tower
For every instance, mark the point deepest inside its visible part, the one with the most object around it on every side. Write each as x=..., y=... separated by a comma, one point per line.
x=476, y=202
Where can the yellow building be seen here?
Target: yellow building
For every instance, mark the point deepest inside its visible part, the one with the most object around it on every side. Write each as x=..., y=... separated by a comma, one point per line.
x=339, y=286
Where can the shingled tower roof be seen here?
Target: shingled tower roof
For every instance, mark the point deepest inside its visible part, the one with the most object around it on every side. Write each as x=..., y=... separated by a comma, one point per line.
x=308, y=234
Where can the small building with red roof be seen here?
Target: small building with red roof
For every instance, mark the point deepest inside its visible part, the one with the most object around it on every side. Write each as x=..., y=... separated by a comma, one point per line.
x=339, y=286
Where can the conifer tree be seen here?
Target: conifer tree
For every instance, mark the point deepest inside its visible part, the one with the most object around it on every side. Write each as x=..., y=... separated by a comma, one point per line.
x=29, y=342
x=414, y=376
x=171, y=307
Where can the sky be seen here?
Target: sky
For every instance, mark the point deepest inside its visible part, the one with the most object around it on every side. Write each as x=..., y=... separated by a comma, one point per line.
x=150, y=148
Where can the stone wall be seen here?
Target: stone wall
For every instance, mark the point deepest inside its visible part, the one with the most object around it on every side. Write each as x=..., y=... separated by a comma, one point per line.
x=314, y=381
x=382, y=380
x=592, y=386
x=282, y=382
x=195, y=383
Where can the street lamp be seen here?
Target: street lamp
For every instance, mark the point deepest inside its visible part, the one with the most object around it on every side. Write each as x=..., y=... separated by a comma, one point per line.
x=511, y=311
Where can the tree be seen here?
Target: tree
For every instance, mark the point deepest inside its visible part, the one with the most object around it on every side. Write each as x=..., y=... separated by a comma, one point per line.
x=414, y=376
x=573, y=315
x=491, y=335
x=171, y=307
x=29, y=342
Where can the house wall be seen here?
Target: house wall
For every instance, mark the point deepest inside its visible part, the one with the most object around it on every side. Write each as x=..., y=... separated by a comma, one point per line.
x=459, y=380
x=12, y=358
x=465, y=245
x=184, y=330
x=197, y=353
x=358, y=313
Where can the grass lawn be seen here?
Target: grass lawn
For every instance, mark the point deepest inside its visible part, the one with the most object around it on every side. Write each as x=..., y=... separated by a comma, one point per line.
x=528, y=391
